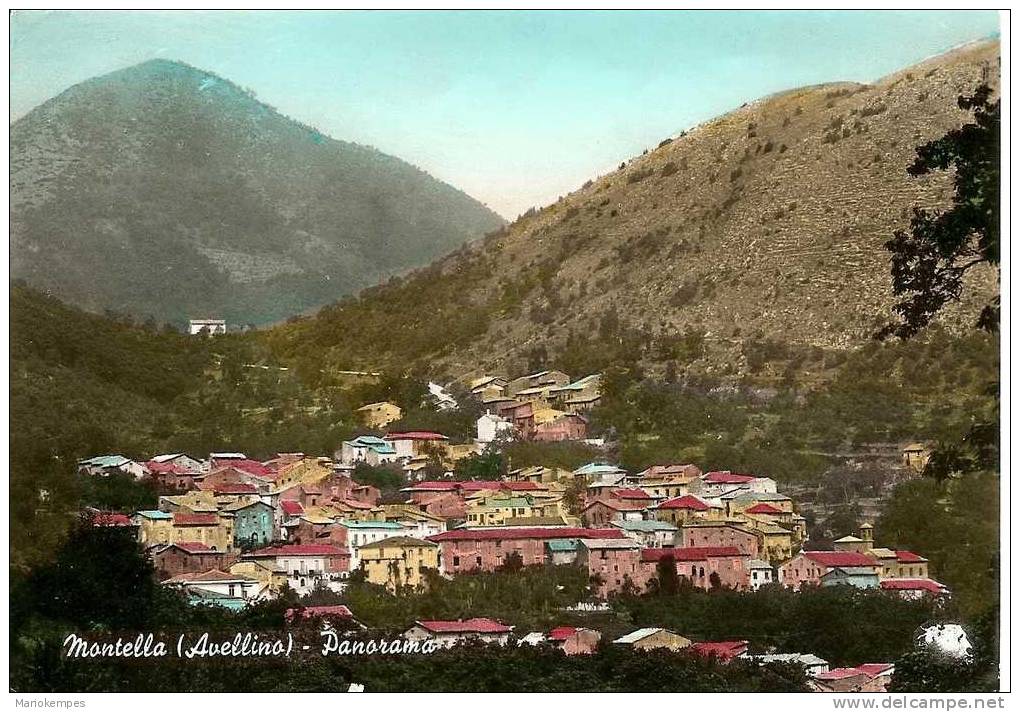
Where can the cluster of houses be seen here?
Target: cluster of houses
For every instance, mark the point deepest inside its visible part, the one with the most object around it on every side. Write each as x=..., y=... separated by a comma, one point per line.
x=234, y=529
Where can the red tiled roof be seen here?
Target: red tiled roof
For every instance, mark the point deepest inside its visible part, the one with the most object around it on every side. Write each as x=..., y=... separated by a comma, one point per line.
x=318, y=612
x=354, y=504
x=724, y=650
x=630, y=493
x=909, y=557
x=562, y=633
x=686, y=502
x=211, y=575
x=471, y=625
x=839, y=558
x=763, y=508
x=725, y=477
x=291, y=507
x=166, y=468
x=912, y=584
x=194, y=547
x=415, y=435
x=875, y=669
x=235, y=488
x=433, y=485
x=183, y=519
x=690, y=553
x=505, y=533
x=252, y=467
x=297, y=550
x=111, y=519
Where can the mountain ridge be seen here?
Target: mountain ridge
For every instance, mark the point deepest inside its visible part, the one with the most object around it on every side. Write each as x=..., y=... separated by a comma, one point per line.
x=763, y=225
x=165, y=171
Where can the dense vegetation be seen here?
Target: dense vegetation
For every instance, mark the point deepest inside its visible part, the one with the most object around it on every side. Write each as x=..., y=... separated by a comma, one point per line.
x=100, y=582
x=164, y=190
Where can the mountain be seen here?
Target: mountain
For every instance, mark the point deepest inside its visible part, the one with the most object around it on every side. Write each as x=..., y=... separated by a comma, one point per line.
x=748, y=243
x=163, y=190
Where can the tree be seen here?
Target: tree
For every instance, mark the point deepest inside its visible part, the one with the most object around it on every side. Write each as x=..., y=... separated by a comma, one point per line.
x=930, y=260
x=666, y=576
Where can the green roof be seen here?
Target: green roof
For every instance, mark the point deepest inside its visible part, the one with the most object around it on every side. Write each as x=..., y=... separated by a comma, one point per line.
x=155, y=514
x=562, y=545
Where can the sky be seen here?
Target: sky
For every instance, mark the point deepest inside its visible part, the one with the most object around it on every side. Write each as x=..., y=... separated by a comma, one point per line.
x=515, y=108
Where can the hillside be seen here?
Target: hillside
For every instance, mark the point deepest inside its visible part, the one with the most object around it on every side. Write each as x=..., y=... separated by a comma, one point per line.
x=162, y=190
x=724, y=249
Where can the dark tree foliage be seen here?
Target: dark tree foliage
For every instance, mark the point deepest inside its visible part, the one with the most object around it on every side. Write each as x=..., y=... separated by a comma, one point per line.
x=387, y=478
x=930, y=260
x=486, y=466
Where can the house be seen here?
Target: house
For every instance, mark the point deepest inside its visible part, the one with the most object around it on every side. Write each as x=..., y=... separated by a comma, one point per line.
x=416, y=523
x=171, y=478
x=572, y=641
x=542, y=380
x=361, y=533
x=154, y=527
x=654, y=638
x=723, y=651
x=206, y=327
x=760, y=573
x=916, y=456
x=649, y=533
x=575, y=641
x=598, y=470
x=491, y=427
x=775, y=543
x=670, y=481
x=704, y=566
x=561, y=552
x=520, y=415
x=566, y=426
x=494, y=510
x=378, y=415
x=914, y=588
x=465, y=550
x=216, y=587
x=208, y=528
x=441, y=398
x=613, y=563
x=856, y=576
x=399, y=562
x=719, y=481
x=305, y=565
x=254, y=524
x=487, y=387
x=449, y=633
x=720, y=533
x=182, y=460
x=186, y=557
x=680, y=511
x=600, y=512
x=366, y=448
x=809, y=566
x=812, y=664
x=416, y=443
x=579, y=396
x=105, y=465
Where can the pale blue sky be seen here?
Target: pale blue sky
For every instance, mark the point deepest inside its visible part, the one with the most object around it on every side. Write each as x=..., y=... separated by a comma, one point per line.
x=515, y=108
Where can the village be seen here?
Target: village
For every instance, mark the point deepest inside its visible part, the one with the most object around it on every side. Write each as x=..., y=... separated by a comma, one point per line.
x=230, y=530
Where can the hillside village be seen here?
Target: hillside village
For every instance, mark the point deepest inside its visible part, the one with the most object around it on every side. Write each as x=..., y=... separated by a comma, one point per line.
x=230, y=530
